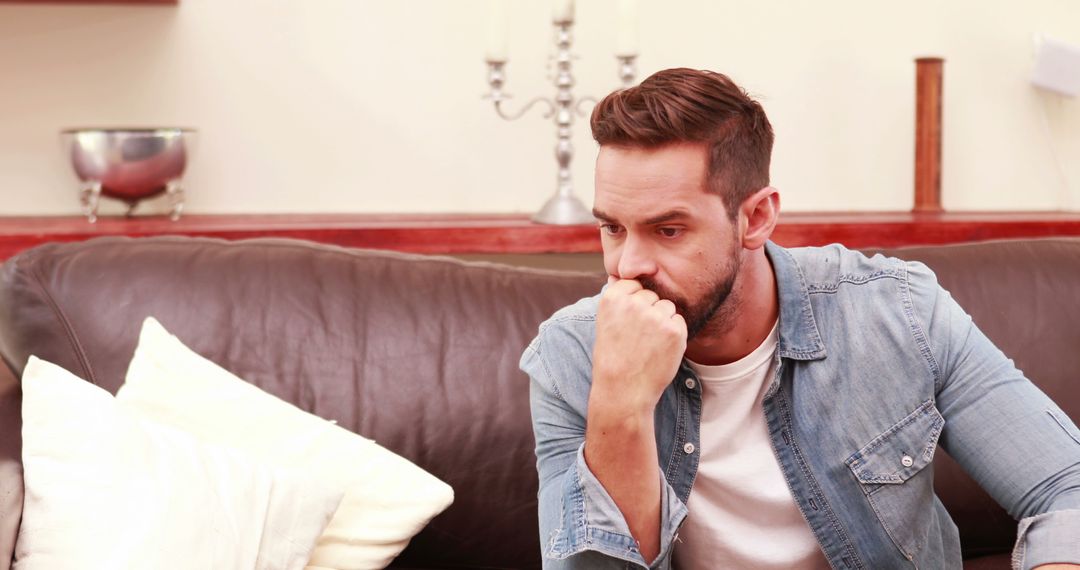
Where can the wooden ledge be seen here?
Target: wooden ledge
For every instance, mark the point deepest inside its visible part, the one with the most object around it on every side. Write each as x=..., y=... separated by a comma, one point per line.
x=895, y=229
x=515, y=234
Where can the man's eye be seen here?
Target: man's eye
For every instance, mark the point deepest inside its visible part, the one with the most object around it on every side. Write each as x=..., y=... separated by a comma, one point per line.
x=610, y=229
x=670, y=232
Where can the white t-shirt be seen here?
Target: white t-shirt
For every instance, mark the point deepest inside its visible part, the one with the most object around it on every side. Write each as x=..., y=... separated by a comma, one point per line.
x=742, y=514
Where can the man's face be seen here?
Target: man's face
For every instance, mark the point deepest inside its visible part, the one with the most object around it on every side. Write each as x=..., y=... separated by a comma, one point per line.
x=660, y=226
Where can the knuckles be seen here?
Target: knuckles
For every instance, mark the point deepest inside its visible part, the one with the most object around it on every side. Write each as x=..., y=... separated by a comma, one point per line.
x=626, y=305
x=674, y=328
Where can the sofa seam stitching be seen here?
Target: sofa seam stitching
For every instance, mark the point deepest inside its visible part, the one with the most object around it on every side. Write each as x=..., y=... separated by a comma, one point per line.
x=69, y=331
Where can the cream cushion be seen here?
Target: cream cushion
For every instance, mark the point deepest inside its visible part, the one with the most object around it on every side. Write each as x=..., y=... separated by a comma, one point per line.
x=108, y=489
x=387, y=499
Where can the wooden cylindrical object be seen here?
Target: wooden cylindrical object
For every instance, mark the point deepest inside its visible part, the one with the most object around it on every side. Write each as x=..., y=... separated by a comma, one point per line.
x=928, y=89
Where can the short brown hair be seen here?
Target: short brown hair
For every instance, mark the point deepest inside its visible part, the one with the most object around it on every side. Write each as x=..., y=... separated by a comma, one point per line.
x=687, y=105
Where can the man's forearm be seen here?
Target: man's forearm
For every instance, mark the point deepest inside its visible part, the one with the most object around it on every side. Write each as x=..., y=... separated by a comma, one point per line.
x=640, y=341
x=620, y=450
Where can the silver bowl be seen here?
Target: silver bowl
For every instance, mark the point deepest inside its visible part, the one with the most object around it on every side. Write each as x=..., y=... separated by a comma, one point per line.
x=129, y=165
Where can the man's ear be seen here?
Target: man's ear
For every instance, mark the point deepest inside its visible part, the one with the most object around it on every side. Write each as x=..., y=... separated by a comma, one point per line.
x=757, y=217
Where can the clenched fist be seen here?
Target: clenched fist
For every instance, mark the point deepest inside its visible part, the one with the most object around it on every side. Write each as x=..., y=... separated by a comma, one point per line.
x=640, y=341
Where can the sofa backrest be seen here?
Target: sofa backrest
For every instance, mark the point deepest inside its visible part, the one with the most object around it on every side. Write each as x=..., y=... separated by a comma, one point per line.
x=421, y=353
x=418, y=353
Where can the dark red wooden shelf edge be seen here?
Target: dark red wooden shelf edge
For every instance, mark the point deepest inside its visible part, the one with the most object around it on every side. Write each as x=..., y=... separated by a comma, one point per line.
x=515, y=234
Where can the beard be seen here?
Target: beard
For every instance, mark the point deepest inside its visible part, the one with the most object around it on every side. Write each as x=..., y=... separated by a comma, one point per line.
x=709, y=308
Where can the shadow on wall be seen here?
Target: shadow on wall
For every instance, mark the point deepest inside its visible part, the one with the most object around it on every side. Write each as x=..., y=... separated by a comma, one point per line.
x=93, y=52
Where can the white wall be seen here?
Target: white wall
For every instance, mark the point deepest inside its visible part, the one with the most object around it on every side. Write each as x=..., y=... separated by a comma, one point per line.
x=374, y=105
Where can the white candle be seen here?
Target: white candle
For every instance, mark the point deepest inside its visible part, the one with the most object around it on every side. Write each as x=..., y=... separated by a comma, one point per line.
x=626, y=42
x=496, y=31
x=563, y=11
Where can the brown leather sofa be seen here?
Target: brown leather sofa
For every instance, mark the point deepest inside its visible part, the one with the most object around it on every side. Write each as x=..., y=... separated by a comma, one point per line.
x=421, y=354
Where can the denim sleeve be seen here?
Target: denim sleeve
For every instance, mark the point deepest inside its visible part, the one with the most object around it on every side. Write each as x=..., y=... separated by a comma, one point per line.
x=1005, y=432
x=580, y=525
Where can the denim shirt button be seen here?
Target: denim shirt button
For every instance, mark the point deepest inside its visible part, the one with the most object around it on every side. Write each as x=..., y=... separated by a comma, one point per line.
x=690, y=383
x=907, y=461
x=688, y=448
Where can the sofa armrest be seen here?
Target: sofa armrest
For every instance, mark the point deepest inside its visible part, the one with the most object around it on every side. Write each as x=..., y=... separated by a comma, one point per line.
x=11, y=472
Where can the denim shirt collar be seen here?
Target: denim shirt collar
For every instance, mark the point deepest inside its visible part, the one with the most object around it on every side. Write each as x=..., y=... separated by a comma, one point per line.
x=799, y=336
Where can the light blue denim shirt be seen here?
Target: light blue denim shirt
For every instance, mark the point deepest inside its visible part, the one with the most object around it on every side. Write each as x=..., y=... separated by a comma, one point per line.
x=876, y=366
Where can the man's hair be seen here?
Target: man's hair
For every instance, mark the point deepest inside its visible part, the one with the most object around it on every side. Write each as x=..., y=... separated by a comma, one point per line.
x=690, y=106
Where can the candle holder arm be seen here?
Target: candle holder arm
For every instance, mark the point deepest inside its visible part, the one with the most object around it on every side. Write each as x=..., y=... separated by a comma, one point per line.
x=584, y=100
x=521, y=113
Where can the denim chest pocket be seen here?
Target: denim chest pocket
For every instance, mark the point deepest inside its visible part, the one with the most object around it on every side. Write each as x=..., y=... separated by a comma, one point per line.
x=896, y=476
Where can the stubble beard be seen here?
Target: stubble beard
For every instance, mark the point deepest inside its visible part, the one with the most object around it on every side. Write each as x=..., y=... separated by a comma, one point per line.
x=713, y=311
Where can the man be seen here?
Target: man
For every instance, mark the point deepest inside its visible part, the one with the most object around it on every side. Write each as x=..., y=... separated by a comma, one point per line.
x=727, y=403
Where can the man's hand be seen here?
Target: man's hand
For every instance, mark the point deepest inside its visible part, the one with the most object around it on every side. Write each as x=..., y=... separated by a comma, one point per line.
x=640, y=340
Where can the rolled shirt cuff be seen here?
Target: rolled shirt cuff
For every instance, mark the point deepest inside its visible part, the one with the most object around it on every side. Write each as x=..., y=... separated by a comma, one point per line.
x=1048, y=538
x=592, y=520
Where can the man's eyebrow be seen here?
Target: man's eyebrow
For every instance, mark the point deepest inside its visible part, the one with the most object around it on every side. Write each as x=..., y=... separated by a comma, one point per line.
x=658, y=219
x=667, y=217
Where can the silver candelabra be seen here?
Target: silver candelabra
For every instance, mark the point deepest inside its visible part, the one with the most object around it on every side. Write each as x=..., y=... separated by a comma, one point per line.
x=563, y=208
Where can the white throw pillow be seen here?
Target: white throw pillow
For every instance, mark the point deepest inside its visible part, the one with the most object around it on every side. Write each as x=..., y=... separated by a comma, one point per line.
x=108, y=489
x=387, y=498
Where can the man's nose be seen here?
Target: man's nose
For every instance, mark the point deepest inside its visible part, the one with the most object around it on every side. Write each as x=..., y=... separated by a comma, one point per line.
x=635, y=260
